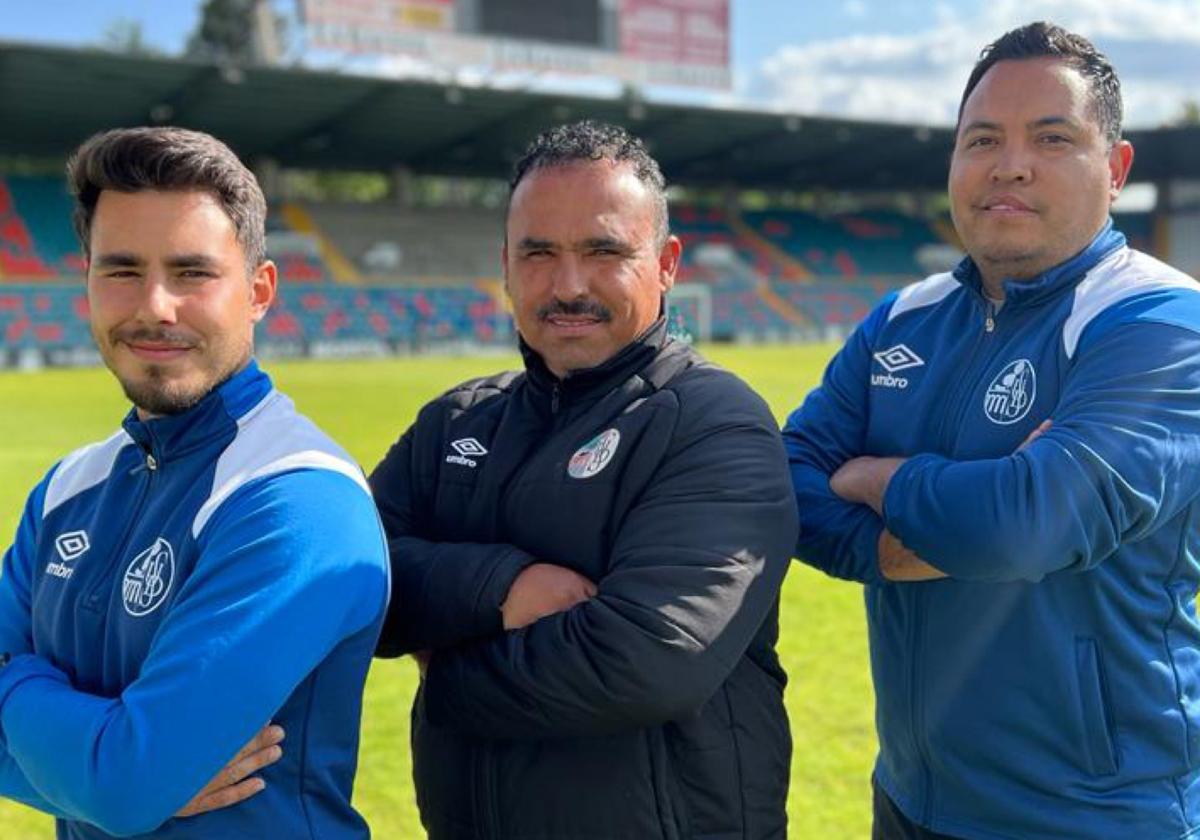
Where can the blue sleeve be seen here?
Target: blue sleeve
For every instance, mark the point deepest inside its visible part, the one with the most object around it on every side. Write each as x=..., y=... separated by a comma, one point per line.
x=289, y=566
x=826, y=431
x=16, y=626
x=1120, y=460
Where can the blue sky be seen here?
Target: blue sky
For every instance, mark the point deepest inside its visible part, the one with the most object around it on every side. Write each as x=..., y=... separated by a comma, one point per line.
x=874, y=59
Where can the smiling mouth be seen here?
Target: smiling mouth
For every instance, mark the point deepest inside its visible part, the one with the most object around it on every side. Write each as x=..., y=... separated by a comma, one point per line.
x=572, y=322
x=155, y=351
x=1007, y=206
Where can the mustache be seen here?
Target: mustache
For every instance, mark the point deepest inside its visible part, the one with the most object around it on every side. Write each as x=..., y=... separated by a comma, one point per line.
x=584, y=306
x=150, y=335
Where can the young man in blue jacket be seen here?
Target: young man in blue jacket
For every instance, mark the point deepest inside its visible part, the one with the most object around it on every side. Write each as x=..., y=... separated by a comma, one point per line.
x=1008, y=456
x=215, y=564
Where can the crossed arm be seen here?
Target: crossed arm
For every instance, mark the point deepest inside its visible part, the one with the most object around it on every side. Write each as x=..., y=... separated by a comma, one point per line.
x=651, y=640
x=1115, y=465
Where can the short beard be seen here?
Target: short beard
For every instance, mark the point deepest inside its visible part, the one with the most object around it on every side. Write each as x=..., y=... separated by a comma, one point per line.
x=158, y=396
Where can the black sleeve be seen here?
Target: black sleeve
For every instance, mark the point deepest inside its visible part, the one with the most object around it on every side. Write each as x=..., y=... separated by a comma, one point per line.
x=443, y=593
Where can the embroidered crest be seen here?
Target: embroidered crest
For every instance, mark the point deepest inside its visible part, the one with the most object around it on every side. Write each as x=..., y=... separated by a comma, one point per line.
x=1011, y=393
x=594, y=455
x=148, y=579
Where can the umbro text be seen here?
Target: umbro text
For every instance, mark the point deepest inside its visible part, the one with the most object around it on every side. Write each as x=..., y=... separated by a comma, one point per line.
x=886, y=380
x=59, y=570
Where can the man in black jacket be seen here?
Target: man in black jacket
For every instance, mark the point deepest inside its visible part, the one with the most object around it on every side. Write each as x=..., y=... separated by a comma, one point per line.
x=587, y=555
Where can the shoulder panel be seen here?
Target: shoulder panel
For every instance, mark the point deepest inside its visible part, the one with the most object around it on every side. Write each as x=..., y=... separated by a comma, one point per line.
x=271, y=439
x=925, y=293
x=84, y=468
x=1122, y=275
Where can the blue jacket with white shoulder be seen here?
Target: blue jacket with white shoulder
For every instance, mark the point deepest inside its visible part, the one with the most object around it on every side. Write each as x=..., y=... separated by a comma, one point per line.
x=171, y=590
x=1050, y=687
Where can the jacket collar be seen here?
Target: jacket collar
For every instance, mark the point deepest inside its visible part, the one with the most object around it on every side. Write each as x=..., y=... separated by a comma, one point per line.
x=215, y=416
x=1050, y=282
x=578, y=384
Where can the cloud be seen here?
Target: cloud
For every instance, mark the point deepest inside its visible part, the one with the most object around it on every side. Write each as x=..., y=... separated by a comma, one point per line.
x=854, y=9
x=918, y=77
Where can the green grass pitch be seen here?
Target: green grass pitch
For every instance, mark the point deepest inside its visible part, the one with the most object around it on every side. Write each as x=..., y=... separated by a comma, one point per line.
x=365, y=405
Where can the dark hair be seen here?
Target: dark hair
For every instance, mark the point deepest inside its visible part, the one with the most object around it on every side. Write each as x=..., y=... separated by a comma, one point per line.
x=588, y=140
x=1047, y=40
x=164, y=158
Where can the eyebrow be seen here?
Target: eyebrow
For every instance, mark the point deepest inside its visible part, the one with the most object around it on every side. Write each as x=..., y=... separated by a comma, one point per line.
x=606, y=242
x=117, y=259
x=531, y=244
x=191, y=261
x=127, y=259
x=1045, y=121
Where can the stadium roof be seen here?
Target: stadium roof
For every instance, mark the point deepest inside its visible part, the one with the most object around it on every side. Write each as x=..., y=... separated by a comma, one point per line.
x=52, y=98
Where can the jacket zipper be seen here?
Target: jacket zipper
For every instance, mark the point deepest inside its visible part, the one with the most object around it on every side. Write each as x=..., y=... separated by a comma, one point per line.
x=964, y=385
x=105, y=581
x=918, y=622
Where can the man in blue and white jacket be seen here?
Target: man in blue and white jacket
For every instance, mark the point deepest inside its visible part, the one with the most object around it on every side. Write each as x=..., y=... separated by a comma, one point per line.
x=215, y=564
x=1008, y=456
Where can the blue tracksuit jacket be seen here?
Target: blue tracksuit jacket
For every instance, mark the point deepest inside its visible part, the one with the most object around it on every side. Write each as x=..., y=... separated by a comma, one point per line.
x=171, y=590
x=1050, y=688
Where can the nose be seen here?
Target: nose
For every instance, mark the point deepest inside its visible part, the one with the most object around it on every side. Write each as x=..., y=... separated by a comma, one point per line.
x=1014, y=164
x=158, y=303
x=570, y=281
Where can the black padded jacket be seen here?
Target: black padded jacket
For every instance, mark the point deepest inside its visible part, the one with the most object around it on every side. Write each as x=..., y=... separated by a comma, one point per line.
x=653, y=710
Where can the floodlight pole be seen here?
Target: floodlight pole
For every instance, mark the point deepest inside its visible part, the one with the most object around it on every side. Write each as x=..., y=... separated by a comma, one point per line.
x=266, y=35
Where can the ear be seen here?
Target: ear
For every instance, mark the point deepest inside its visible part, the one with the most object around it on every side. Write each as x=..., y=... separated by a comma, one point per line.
x=262, y=290
x=668, y=263
x=1120, y=160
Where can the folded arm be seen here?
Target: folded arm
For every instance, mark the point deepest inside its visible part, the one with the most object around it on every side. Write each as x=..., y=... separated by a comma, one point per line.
x=694, y=572
x=837, y=536
x=1119, y=461
x=443, y=593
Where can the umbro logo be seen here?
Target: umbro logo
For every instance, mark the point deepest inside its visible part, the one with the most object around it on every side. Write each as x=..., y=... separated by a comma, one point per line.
x=893, y=360
x=466, y=451
x=69, y=546
x=898, y=358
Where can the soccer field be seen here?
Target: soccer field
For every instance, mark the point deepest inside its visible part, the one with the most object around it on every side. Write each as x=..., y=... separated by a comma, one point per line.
x=365, y=405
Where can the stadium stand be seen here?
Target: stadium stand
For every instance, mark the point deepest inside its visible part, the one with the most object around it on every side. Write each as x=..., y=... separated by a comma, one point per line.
x=36, y=240
x=385, y=242
x=378, y=276
x=870, y=243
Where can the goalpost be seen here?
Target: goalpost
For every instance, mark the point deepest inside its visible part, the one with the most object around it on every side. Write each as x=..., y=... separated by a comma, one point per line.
x=689, y=311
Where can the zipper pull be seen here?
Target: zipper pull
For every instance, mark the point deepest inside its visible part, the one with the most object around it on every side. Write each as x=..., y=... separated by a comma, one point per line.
x=555, y=393
x=989, y=322
x=151, y=462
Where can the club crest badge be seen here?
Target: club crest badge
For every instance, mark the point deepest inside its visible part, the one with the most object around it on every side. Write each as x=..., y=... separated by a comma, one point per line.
x=148, y=579
x=594, y=455
x=1011, y=394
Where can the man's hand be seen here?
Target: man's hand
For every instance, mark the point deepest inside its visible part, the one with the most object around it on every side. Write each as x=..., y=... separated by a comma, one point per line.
x=897, y=563
x=541, y=590
x=864, y=480
x=231, y=785
x=1041, y=429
